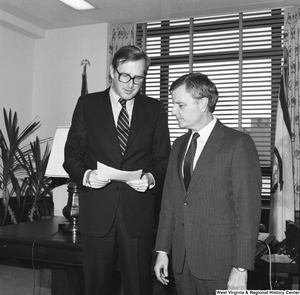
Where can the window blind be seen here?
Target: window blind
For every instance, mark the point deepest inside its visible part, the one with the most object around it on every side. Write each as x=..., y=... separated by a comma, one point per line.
x=240, y=52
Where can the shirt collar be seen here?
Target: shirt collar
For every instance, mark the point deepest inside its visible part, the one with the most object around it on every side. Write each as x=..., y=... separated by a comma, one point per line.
x=114, y=98
x=206, y=130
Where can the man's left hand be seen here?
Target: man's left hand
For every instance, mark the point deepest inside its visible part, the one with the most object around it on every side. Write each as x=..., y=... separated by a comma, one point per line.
x=237, y=280
x=140, y=185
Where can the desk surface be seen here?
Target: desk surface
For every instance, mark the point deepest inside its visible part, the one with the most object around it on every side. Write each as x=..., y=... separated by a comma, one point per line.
x=42, y=241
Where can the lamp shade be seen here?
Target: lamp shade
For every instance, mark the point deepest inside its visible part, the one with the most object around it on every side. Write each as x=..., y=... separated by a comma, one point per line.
x=56, y=159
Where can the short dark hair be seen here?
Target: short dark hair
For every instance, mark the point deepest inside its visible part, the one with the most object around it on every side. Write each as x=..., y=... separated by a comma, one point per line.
x=199, y=86
x=130, y=53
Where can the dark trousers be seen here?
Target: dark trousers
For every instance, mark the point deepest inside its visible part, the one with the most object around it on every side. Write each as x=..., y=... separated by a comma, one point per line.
x=187, y=284
x=99, y=255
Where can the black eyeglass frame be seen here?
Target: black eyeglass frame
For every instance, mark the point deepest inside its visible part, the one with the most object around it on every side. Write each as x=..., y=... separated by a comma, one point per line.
x=129, y=78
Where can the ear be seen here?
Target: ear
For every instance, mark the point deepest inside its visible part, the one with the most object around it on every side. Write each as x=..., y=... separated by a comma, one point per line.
x=204, y=103
x=111, y=71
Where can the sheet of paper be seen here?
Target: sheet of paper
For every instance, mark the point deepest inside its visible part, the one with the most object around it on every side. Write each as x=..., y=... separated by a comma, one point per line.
x=277, y=258
x=118, y=175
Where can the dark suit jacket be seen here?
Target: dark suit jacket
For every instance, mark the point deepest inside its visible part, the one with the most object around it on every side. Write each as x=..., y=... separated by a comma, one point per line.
x=93, y=137
x=216, y=222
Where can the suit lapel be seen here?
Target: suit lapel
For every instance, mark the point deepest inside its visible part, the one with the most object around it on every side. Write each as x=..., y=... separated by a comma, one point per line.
x=106, y=118
x=213, y=144
x=181, y=154
x=138, y=117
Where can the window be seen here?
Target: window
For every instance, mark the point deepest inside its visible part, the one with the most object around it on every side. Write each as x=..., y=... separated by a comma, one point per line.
x=241, y=53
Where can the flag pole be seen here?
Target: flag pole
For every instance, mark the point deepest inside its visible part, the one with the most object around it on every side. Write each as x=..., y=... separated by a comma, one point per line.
x=84, y=88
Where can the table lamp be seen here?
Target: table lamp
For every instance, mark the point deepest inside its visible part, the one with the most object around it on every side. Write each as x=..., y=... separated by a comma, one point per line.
x=55, y=169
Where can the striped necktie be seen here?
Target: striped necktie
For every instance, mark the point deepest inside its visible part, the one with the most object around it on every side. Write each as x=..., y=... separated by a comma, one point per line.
x=123, y=126
x=188, y=166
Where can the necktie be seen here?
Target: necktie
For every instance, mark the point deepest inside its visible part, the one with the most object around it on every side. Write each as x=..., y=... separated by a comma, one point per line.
x=189, y=160
x=123, y=126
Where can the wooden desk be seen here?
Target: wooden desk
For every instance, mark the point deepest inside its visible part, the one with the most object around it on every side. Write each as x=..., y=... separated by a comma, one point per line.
x=43, y=241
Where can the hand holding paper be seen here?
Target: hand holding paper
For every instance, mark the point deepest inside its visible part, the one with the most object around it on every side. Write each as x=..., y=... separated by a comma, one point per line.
x=95, y=181
x=132, y=178
x=140, y=185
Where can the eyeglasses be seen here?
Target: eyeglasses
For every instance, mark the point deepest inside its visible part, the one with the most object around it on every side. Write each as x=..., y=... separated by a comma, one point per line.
x=125, y=78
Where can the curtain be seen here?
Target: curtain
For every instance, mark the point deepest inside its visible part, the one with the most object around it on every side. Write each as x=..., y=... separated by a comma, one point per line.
x=286, y=166
x=291, y=43
x=121, y=35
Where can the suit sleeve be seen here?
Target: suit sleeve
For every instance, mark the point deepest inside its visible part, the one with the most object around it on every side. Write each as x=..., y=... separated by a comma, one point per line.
x=160, y=149
x=166, y=227
x=75, y=148
x=246, y=183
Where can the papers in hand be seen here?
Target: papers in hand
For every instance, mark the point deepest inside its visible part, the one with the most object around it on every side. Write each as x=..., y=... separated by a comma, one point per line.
x=117, y=175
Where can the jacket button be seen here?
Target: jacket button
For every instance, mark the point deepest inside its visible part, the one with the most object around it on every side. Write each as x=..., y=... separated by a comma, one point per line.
x=185, y=203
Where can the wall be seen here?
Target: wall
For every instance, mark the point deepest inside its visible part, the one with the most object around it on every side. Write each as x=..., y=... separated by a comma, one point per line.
x=16, y=75
x=42, y=78
x=58, y=73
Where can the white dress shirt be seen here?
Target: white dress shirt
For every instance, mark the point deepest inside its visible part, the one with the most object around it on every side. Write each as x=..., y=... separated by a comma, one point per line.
x=202, y=139
x=116, y=106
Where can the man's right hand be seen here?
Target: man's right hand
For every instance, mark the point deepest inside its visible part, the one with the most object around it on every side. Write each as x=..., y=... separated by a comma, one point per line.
x=161, y=267
x=96, y=181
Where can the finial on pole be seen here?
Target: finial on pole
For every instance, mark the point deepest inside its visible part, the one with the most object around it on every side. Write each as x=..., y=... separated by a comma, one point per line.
x=84, y=63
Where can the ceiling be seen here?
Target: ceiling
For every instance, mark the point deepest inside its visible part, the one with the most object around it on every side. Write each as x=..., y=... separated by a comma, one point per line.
x=53, y=14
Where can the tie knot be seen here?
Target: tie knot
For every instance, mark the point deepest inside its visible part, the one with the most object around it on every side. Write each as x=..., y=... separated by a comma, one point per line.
x=195, y=136
x=122, y=101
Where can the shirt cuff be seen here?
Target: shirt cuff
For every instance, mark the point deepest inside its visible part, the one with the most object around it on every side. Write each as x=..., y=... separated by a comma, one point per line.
x=86, y=177
x=151, y=180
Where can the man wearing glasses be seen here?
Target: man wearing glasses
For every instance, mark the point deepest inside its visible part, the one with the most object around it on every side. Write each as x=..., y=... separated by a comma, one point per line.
x=125, y=130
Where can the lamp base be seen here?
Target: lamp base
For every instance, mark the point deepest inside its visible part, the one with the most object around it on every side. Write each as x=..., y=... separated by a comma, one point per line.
x=71, y=227
x=71, y=210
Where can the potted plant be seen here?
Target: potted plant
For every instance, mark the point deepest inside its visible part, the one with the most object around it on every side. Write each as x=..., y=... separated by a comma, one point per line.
x=37, y=200
x=10, y=168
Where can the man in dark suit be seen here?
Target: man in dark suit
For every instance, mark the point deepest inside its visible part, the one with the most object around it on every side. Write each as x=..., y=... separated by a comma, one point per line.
x=211, y=205
x=128, y=134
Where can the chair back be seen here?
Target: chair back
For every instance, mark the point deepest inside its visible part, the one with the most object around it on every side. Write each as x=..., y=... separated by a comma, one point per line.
x=292, y=240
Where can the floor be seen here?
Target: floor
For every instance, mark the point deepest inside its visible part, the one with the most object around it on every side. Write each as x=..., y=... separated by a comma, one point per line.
x=17, y=279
